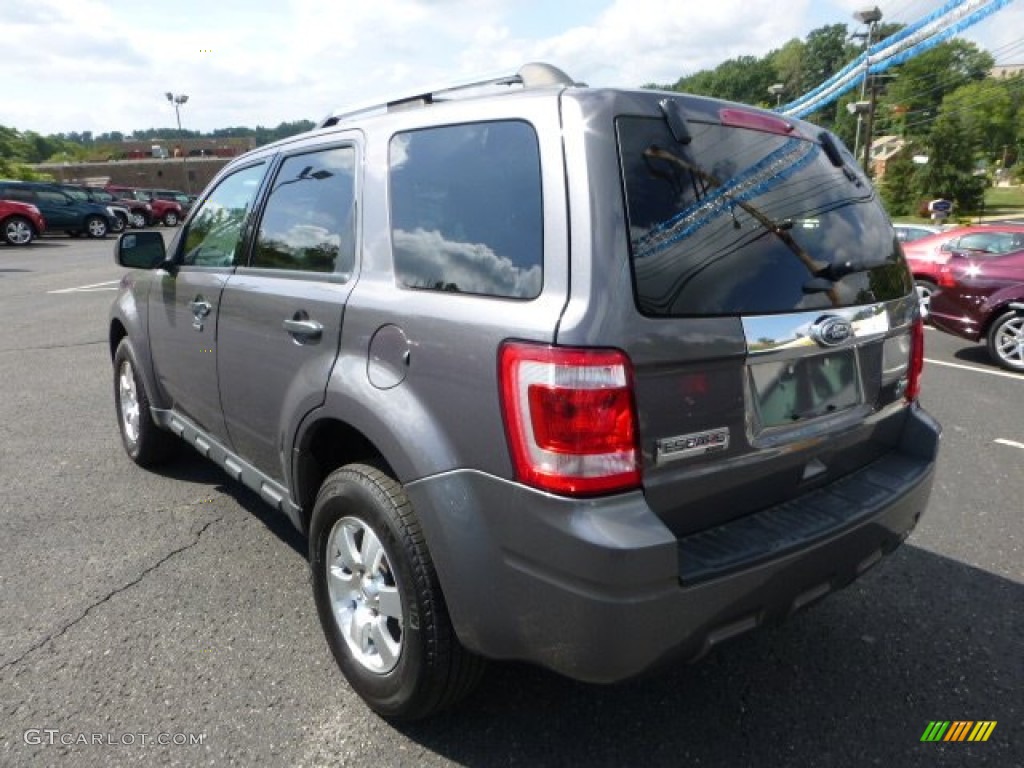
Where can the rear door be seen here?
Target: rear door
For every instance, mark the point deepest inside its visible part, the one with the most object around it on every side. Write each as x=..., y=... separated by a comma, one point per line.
x=183, y=304
x=772, y=304
x=58, y=209
x=281, y=314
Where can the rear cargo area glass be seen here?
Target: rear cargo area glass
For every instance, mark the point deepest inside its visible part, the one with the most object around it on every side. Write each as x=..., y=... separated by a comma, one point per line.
x=742, y=221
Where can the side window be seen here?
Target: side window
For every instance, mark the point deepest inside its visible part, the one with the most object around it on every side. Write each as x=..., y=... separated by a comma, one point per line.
x=53, y=197
x=213, y=235
x=18, y=193
x=309, y=220
x=466, y=209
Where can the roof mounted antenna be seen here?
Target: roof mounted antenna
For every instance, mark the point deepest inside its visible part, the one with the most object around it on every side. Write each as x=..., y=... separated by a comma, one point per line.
x=531, y=75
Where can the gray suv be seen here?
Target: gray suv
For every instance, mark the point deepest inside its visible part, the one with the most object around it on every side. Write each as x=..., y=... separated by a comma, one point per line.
x=590, y=378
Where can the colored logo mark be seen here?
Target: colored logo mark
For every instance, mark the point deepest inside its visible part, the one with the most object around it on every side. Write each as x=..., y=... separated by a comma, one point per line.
x=958, y=730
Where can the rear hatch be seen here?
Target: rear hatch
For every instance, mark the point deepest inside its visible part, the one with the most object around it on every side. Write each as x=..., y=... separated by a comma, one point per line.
x=773, y=309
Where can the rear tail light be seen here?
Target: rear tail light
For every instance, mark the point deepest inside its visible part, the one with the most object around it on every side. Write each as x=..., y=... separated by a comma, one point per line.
x=913, y=389
x=946, y=278
x=570, y=418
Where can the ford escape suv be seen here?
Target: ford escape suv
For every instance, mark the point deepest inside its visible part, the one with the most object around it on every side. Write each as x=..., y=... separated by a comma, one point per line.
x=591, y=378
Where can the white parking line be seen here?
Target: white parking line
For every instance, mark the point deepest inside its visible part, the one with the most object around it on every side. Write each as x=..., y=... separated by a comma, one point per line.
x=1010, y=443
x=110, y=285
x=1004, y=374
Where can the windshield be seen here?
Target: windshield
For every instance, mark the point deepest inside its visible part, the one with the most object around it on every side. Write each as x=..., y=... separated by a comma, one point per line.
x=742, y=221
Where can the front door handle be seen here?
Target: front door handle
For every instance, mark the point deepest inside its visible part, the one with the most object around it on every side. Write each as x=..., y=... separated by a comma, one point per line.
x=307, y=329
x=200, y=309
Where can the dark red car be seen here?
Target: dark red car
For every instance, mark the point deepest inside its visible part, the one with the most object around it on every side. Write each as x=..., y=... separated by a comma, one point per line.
x=20, y=223
x=927, y=255
x=982, y=297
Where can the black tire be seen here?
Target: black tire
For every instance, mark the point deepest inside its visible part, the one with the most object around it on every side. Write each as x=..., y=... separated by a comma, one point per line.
x=433, y=671
x=925, y=290
x=1006, y=341
x=96, y=227
x=139, y=219
x=119, y=224
x=146, y=444
x=17, y=230
x=170, y=219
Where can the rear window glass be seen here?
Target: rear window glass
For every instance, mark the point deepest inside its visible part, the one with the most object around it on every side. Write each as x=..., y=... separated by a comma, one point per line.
x=466, y=211
x=747, y=222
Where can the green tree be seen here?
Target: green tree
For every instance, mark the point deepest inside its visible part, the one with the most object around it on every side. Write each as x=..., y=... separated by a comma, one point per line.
x=900, y=186
x=950, y=171
x=921, y=84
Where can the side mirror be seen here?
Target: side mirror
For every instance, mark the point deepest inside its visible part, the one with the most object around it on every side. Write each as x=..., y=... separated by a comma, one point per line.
x=141, y=250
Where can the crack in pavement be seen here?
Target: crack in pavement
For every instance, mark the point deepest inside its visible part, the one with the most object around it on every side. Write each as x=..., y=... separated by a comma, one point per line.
x=55, y=346
x=123, y=588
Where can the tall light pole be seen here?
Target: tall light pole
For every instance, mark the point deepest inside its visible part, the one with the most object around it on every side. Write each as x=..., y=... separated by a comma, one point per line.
x=870, y=17
x=777, y=90
x=177, y=100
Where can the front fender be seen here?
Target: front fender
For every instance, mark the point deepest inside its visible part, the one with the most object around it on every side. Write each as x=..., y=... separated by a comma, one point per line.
x=130, y=312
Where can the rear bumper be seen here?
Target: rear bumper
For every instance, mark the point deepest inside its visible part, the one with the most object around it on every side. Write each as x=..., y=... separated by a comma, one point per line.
x=601, y=590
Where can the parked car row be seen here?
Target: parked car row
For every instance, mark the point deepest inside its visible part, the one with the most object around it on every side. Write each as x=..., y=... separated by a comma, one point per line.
x=32, y=208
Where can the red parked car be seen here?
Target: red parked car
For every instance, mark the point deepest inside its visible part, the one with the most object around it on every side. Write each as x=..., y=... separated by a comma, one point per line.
x=166, y=212
x=982, y=297
x=927, y=255
x=20, y=223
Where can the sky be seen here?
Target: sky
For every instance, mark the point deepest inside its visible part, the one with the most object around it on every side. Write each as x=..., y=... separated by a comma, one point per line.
x=105, y=65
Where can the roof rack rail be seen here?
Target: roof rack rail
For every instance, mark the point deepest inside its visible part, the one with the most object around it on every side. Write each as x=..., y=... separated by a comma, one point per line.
x=531, y=75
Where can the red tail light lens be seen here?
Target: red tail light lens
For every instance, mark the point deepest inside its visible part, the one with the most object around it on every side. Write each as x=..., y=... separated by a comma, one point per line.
x=570, y=418
x=913, y=390
x=946, y=278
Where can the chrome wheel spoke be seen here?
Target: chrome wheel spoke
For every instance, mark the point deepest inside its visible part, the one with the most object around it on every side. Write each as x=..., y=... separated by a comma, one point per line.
x=389, y=602
x=343, y=583
x=372, y=552
x=347, y=550
x=384, y=644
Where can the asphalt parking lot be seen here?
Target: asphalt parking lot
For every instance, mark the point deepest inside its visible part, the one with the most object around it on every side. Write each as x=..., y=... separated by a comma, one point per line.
x=176, y=604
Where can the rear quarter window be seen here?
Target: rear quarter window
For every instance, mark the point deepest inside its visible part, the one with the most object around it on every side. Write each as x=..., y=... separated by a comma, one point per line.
x=466, y=211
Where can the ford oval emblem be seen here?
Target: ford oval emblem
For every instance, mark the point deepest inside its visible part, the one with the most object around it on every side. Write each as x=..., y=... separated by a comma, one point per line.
x=831, y=330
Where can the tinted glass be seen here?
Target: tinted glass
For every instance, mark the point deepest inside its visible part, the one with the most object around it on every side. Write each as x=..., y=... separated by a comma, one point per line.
x=466, y=212
x=743, y=221
x=992, y=242
x=17, y=193
x=78, y=194
x=213, y=235
x=308, y=223
x=53, y=197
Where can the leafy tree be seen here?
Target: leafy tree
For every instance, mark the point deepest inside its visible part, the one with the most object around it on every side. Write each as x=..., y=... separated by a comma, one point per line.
x=900, y=186
x=920, y=84
x=825, y=53
x=950, y=171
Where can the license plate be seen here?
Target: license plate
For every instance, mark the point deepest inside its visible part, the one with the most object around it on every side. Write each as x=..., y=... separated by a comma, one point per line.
x=790, y=391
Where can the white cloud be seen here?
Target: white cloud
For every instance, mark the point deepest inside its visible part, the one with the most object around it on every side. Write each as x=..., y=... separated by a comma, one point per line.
x=104, y=65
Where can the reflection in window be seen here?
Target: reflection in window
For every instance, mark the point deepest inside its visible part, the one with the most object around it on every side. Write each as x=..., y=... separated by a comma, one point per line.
x=214, y=234
x=742, y=222
x=466, y=209
x=309, y=221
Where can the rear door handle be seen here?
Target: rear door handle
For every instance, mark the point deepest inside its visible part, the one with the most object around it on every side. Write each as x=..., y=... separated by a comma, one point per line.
x=200, y=307
x=307, y=329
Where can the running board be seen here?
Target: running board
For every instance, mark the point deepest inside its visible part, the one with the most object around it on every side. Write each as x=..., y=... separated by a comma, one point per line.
x=237, y=468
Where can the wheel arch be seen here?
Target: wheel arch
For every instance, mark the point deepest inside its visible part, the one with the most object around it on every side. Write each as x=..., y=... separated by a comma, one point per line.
x=1000, y=309
x=323, y=446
